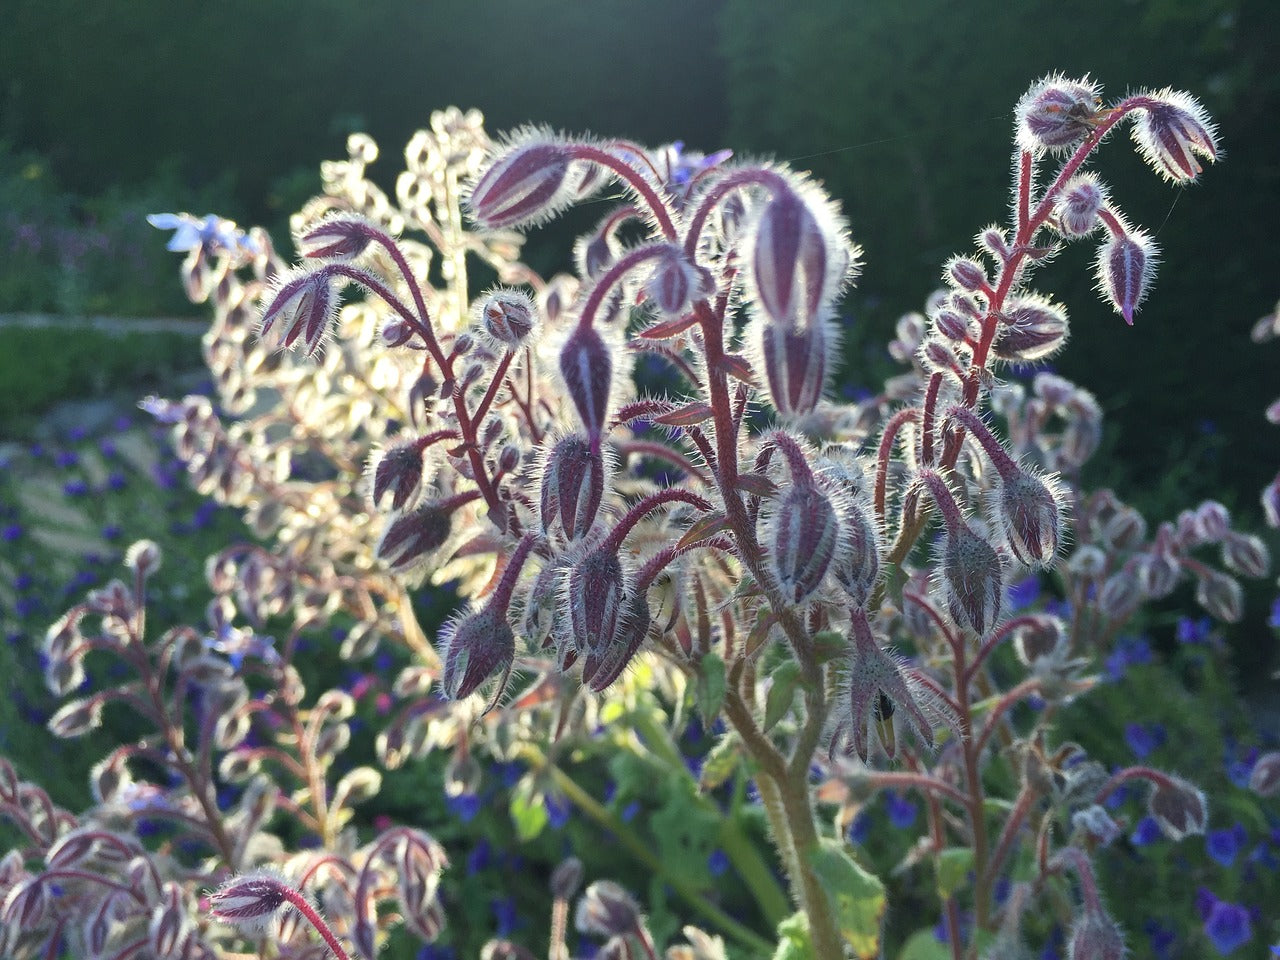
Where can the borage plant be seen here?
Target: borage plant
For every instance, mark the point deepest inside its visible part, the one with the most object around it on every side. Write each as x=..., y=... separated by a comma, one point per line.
x=739, y=544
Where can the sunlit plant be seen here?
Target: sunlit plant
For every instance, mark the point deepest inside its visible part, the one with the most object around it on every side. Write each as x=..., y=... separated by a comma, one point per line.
x=829, y=580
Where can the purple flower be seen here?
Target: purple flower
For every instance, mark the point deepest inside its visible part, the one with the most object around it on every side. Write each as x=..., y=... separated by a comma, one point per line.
x=1193, y=631
x=1145, y=833
x=504, y=909
x=213, y=233
x=65, y=458
x=75, y=488
x=1023, y=593
x=902, y=812
x=1143, y=740
x=629, y=811
x=464, y=806
x=1239, y=769
x=1228, y=926
x=860, y=828
x=11, y=532
x=1274, y=619
x=557, y=811
x=1225, y=845
x=480, y=857
x=718, y=862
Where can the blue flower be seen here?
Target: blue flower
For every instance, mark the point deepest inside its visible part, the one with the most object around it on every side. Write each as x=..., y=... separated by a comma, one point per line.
x=1146, y=832
x=860, y=828
x=434, y=951
x=11, y=532
x=1143, y=740
x=480, y=857
x=1023, y=593
x=464, y=806
x=504, y=909
x=1274, y=619
x=65, y=458
x=629, y=811
x=212, y=233
x=1228, y=927
x=75, y=488
x=1193, y=631
x=1225, y=845
x=718, y=862
x=557, y=811
x=902, y=812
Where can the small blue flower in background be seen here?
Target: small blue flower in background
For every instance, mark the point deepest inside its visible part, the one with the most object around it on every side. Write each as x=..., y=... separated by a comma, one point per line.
x=65, y=458
x=433, y=951
x=11, y=532
x=1023, y=593
x=1227, y=925
x=718, y=862
x=1193, y=631
x=75, y=488
x=629, y=811
x=212, y=233
x=504, y=909
x=557, y=811
x=1274, y=619
x=860, y=829
x=1146, y=832
x=1225, y=845
x=1144, y=740
x=464, y=806
x=902, y=812
x=1162, y=940
x=1239, y=767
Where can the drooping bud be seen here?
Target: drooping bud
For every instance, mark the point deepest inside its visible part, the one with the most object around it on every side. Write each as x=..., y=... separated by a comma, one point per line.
x=143, y=558
x=1212, y=521
x=1057, y=113
x=301, y=306
x=586, y=365
x=795, y=364
x=530, y=180
x=1125, y=267
x=1245, y=553
x=676, y=282
x=1220, y=595
x=1041, y=638
x=1178, y=807
x=396, y=333
x=412, y=536
x=1264, y=779
x=1120, y=595
x=473, y=648
x=1095, y=936
x=951, y=324
x=858, y=566
x=1078, y=205
x=973, y=579
x=1034, y=328
x=1030, y=518
x=573, y=480
x=803, y=539
x=601, y=668
x=398, y=472
x=341, y=237
x=252, y=900
x=508, y=316
x=606, y=910
x=1172, y=132
x=1158, y=574
x=595, y=590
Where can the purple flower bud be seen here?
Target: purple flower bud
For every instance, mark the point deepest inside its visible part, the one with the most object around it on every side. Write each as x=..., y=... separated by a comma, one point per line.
x=1271, y=502
x=595, y=590
x=1158, y=574
x=1056, y=113
x=996, y=242
x=1245, y=553
x=972, y=578
x=1125, y=267
x=170, y=930
x=566, y=878
x=1264, y=779
x=1220, y=595
x=858, y=566
x=1089, y=562
x=473, y=648
x=1172, y=132
x=951, y=325
x=676, y=283
x=1094, y=821
x=1034, y=328
x=410, y=537
x=301, y=305
x=803, y=539
x=601, y=668
x=1078, y=205
x=795, y=365
x=1125, y=529
x=1178, y=807
x=938, y=356
x=596, y=253
x=341, y=237
x=25, y=904
x=396, y=333
x=250, y=901
x=586, y=365
x=606, y=910
x=1120, y=595
x=1030, y=517
x=965, y=273
x=398, y=472
x=507, y=316
x=143, y=558
x=1213, y=520
x=528, y=181
x=1095, y=936
x=573, y=480
x=1044, y=638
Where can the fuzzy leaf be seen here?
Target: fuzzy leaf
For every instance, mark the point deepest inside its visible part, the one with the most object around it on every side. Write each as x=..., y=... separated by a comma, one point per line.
x=781, y=694
x=737, y=367
x=704, y=528
x=721, y=760
x=699, y=411
x=711, y=688
x=954, y=865
x=857, y=897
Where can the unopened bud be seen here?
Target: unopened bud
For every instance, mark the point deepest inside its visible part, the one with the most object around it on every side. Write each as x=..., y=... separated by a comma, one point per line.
x=566, y=878
x=410, y=537
x=1088, y=561
x=527, y=182
x=587, y=368
x=951, y=325
x=1179, y=808
x=973, y=579
x=596, y=590
x=1095, y=936
x=1158, y=574
x=1094, y=821
x=606, y=910
x=996, y=242
x=252, y=900
x=1034, y=328
x=143, y=558
x=795, y=365
x=398, y=473
x=396, y=333
x=505, y=950
x=1245, y=553
x=965, y=273
x=1264, y=779
x=601, y=667
x=341, y=237
x=1125, y=266
x=1056, y=113
x=508, y=458
x=302, y=306
x=803, y=538
x=1126, y=529
x=858, y=567
x=1171, y=133
x=1044, y=638
x=473, y=648
x=572, y=486
x=1030, y=518
x=507, y=316
x=938, y=356
x=1078, y=205
x=676, y=282
x=1120, y=595
x=1220, y=595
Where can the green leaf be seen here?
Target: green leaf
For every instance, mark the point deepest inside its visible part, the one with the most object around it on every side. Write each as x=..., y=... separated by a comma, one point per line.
x=721, y=761
x=711, y=687
x=954, y=865
x=793, y=939
x=528, y=812
x=923, y=945
x=781, y=693
x=828, y=644
x=857, y=897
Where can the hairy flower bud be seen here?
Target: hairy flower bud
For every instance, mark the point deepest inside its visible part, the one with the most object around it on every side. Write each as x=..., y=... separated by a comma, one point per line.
x=803, y=539
x=507, y=316
x=972, y=578
x=1120, y=595
x=1095, y=936
x=566, y=878
x=965, y=273
x=1178, y=807
x=301, y=305
x=143, y=558
x=473, y=648
x=398, y=472
x=586, y=365
x=1029, y=513
x=251, y=900
x=1264, y=779
x=1034, y=328
x=795, y=363
x=601, y=668
x=573, y=480
x=529, y=180
x=595, y=590
x=341, y=237
x=411, y=536
x=1078, y=205
x=1172, y=132
x=606, y=910
x=951, y=324
x=858, y=566
x=1043, y=638
x=1158, y=574
x=676, y=282
x=1245, y=553
x=1056, y=113
x=1220, y=595
x=1125, y=267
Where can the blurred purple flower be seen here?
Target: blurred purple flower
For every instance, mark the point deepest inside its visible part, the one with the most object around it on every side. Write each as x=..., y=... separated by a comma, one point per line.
x=1023, y=593
x=902, y=812
x=1144, y=740
x=1225, y=845
x=464, y=806
x=718, y=862
x=860, y=828
x=11, y=532
x=1145, y=833
x=1228, y=926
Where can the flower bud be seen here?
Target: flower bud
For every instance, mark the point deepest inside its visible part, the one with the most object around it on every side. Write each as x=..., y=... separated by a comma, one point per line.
x=1056, y=113
x=507, y=316
x=795, y=365
x=1088, y=561
x=1271, y=502
x=951, y=325
x=965, y=273
x=473, y=648
x=1213, y=520
x=596, y=590
x=505, y=950
x=1179, y=808
x=1096, y=823
x=676, y=282
x=1078, y=205
x=396, y=333
x=572, y=486
x=596, y=253
x=1042, y=639
x=1030, y=518
x=803, y=539
x=1034, y=328
x=1172, y=132
x=1125, y=529
x=1158, y=574
x=1120, y=595
x=587, y=368
x=301, y=305
x=398, y=472
x=797, y=261
x=143, y=558
x=1264, y=780
x=601, y=668
x=250, y=901
x=1095, y=936
x=1246, y=554
x=341, y=237
x=1220, y=595
x=411, y=536
x=858, y=566
x=972, y=578
x=527, y=182
x=606, y=910
x=1125, y=267
x=566, y=878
